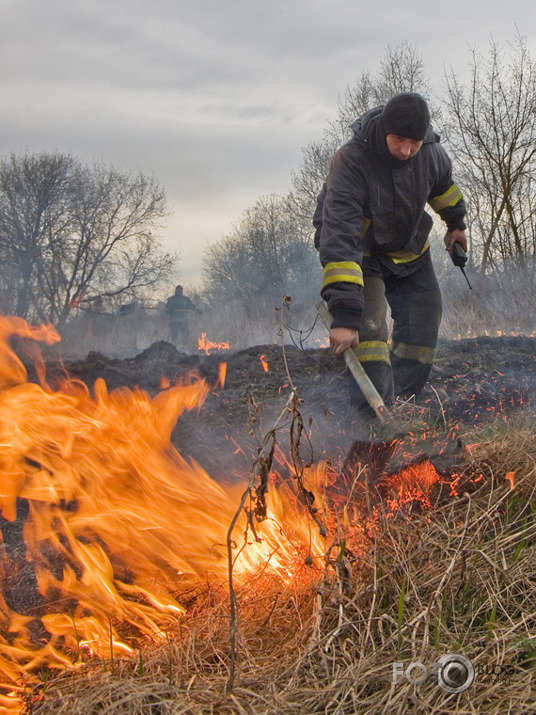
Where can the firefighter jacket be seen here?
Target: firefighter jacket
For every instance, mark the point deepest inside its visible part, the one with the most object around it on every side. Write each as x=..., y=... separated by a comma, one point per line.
x=374, y=205
x=177, y=307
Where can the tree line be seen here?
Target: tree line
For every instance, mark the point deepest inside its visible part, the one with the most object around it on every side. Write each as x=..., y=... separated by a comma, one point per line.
x=73, y=235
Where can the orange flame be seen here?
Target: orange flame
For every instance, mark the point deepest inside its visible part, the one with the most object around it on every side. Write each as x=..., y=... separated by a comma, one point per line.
x=103, y=522
x=208, y=345
x=264, y=363
x=322, y=343
x=106, y=521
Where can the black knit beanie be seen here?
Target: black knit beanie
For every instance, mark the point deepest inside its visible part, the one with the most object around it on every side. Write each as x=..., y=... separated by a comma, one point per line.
x=406, y=115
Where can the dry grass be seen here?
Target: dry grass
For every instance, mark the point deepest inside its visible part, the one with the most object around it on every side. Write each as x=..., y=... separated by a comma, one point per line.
x=496, y=305
x=456, y=578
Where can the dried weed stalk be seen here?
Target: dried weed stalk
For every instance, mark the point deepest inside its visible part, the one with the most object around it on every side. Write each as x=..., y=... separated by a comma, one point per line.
x=253, y=501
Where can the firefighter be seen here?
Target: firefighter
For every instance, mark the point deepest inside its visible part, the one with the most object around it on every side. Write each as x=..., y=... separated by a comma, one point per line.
x=178, y=307
x=371, y=230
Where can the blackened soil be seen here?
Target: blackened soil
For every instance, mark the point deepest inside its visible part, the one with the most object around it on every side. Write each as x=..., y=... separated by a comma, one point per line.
x=473, y=381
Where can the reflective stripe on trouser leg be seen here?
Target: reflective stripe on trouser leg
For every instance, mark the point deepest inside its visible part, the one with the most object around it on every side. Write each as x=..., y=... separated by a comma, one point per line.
x=415, y=302
x=372, y=350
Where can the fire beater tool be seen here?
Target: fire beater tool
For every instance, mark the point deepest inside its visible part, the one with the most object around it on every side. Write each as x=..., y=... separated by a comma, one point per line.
x=399, y=448
x=459, y=258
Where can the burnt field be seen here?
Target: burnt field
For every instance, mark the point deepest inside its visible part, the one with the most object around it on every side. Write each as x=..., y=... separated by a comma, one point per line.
x=473, y=381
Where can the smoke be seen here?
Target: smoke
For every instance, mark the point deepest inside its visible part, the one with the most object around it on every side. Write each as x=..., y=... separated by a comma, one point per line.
x=265, y=321
x=500, y=303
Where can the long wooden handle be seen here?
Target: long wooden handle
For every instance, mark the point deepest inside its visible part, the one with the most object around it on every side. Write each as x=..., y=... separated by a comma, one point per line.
x=363, y=380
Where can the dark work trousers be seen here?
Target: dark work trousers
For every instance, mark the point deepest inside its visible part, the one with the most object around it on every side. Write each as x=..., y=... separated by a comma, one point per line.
x=178, y=326
x=401, y=368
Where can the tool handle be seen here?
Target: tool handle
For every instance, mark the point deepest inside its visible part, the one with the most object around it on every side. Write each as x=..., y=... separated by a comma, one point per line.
x=360, y=376
x=367, y=388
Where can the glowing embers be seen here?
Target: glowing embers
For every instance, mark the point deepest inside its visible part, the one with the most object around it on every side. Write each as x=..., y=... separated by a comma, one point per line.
x=407, y=490
x=402, y=474
x=471, y=334
x=411, y=485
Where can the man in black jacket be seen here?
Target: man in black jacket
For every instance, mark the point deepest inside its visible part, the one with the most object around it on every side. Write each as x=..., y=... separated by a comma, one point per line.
x=372, y=234
x=178, y=307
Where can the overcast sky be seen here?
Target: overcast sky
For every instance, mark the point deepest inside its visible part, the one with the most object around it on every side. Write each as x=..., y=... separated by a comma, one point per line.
x=216, y=98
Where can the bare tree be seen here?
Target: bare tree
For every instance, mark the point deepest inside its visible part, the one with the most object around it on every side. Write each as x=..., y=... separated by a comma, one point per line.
x=33, y=206
x=493, y=136
x=72, y=233
x=401, y=69
x=267, y=255
x=308, y=180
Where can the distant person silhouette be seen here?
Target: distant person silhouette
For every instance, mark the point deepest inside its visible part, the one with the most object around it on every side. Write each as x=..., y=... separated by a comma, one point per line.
x=178, y=308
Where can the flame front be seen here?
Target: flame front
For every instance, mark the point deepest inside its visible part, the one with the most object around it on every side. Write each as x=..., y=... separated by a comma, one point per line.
x=103, y=521
x=207, y=345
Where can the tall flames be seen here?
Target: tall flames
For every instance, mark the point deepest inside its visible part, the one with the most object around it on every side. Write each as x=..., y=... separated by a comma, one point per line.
x=103, y=522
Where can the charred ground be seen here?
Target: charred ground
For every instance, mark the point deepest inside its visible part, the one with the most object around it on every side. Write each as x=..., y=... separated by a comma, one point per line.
x=473, y=381
x=466, y=569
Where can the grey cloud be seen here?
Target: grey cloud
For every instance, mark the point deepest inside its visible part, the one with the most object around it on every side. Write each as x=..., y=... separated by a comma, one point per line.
x=215, y=98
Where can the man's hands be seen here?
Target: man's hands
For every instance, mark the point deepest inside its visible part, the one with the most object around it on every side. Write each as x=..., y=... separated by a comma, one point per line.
x=342, y=338
x=456, y=236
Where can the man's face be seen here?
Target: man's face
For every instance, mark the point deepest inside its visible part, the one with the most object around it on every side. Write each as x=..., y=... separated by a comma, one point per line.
x=401, y=147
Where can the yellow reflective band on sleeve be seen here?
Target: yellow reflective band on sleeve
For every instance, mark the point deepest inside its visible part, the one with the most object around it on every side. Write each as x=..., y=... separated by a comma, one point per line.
x=343, y=271
x=372, y=351
x=450, y=198
x=407, y=256
x=419, y=353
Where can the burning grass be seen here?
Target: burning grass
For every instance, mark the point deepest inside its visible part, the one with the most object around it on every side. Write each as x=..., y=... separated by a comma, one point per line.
x=457, y=577
x=439, y=566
